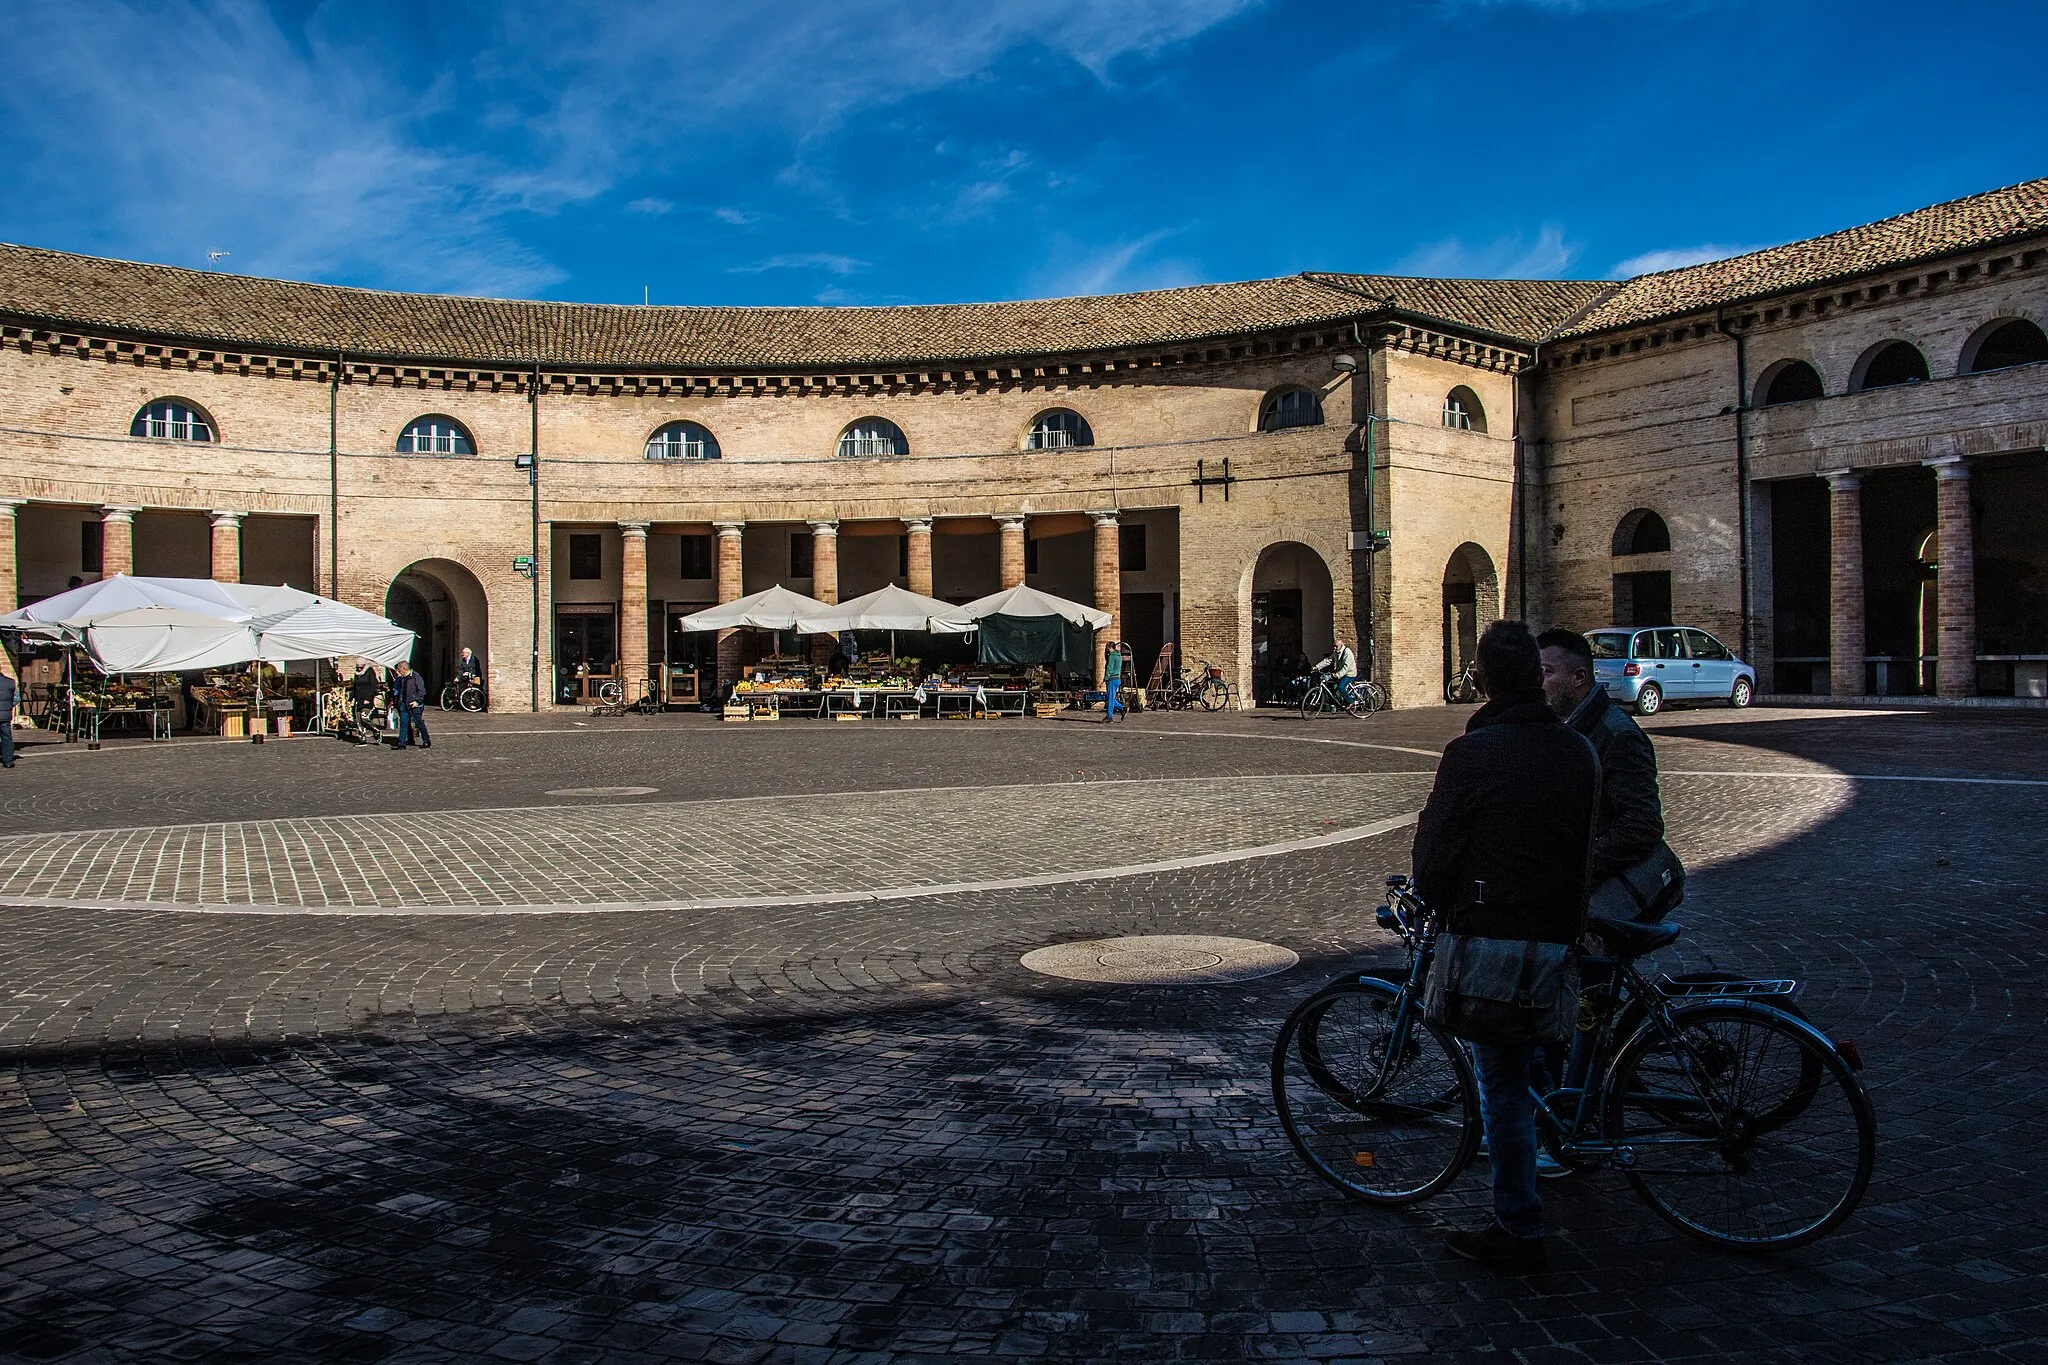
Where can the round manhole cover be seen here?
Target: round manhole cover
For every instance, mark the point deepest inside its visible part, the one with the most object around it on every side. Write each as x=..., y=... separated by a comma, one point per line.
x=604, y=791
x=1161, y=959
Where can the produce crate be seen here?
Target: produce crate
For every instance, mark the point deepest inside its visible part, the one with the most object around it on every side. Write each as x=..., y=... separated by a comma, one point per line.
x=738, y=713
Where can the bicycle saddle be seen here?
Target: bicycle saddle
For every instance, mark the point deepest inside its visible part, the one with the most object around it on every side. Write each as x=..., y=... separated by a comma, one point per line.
x=1626, y=938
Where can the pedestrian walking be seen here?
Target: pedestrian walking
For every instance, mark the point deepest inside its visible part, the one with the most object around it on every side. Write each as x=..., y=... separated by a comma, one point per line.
x=1500, y=850
x=1112, y=680
x=9, y=694
x=409, y=700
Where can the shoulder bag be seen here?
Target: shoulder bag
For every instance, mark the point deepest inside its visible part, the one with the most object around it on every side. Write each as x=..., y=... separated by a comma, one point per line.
x=1501, y=990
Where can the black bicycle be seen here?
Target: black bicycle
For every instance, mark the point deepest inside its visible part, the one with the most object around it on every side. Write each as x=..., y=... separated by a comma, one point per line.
x=1203, y=686
x=462, y=696
x=1737, y=1121
x=1322, y=697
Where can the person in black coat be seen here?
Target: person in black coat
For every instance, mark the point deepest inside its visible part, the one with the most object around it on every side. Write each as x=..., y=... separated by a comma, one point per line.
x=1631, y=821
x=9, y=694
x=1500, y=851
x=409, y=702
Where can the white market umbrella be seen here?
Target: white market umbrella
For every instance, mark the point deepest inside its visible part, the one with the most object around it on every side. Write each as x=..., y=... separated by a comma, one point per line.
x=64, y=615
x=164, y=640
x=1023, y=602
x=775, y=608
x=890, y=608
x=324, y=629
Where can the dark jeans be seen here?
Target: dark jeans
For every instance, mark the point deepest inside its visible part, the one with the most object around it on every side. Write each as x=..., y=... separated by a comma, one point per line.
x=412, y=718
x=7, y=736
x=1510, y=1117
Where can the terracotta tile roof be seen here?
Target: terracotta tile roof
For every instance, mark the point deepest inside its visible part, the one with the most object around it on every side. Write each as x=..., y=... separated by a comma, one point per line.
x=1527, y=310
x=238, y=311
x=2016, y=211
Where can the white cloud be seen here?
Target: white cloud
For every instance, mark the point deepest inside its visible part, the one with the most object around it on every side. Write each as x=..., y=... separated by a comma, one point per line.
x=652, y=207
x=736, y=217
x=1122, y=267
x=1504, y=258
x=802, y=260
x=1675, y=257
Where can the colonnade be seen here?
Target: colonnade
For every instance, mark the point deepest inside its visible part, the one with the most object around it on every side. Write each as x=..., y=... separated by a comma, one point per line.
x=1012, y=528
x=1955, y=581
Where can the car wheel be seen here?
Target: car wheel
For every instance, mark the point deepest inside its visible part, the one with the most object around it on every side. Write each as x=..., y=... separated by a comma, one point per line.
x=1650, y=700
x=1739, y=698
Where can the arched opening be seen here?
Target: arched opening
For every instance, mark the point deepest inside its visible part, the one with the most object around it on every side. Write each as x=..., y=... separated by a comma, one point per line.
x=1642, y=596
x=1462, y=410
x=1292, y=615
x=1641, y=532
x=1789, y=381
x=1471, y=604
x=1928, y=618
x=1888, y=365
x=2001, y=345
x=1291, y=407
x=1058, y=429
x=444, y=604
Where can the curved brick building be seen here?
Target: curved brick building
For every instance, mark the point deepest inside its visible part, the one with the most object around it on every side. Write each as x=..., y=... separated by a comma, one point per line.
x=1829, y=451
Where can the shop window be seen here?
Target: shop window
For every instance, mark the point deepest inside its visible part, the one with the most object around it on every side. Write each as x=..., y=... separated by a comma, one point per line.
x=171, y=419
x=903, y=556
x=1030, y=556
x=1060, y=429
x=586, y=556
x=1791, y=381
x=435, y=436
x=873, y=438
x=2018, y=342
x=682, y=441
x=92, y=546
x=1130, y=547
x=1462, y=411
x=699, y=554
x=799, y=554
x=1291, y=408
x=1889, y=365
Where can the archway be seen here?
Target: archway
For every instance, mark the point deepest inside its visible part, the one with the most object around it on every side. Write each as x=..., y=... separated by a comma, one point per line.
x=1292, y=615
x=1471, y=604
x=444, y=604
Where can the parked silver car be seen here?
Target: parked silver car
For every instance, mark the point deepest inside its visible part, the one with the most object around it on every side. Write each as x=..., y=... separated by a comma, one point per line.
x=1646, y=668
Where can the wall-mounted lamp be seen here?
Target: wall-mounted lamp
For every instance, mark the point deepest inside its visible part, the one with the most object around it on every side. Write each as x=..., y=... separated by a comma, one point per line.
x=1346, y=364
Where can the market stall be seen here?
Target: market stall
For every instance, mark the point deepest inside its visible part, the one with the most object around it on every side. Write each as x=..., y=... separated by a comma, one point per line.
x=1032, y=642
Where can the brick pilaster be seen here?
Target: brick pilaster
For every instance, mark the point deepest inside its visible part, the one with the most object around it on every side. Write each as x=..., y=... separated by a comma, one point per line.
x=1011, y=563
x=1109, y=583
x=825, y=560
x=10, y=573
x=920, y=575
x=117, y=540
x=729, y=590
x=1955, y=580
x=1845, y=584
x=633, y=608
x=227, y=547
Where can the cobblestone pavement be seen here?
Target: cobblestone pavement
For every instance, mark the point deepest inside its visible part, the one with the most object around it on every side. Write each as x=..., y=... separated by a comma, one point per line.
x=861, y=1131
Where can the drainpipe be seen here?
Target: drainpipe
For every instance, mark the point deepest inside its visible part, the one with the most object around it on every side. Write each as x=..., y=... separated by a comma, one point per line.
x=1372, y=635
x=1741, y=407
x=1521, y=490
x=334, y=479
x=533, y=482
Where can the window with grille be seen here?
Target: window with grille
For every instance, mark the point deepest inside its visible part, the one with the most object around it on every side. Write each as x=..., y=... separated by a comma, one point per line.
x=682, y=441
x=586, y=556
x=698, y=557
x=435, y=436
x=873, y=438
x=1462, y=411
x=1291, y=408
x=1060, y=429
x=1130, y=547
x=169, y=419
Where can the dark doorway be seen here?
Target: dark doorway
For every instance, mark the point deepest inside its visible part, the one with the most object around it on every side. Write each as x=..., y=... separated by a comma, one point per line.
x=1276, y=640
x=587, y=637
x=406, y=607
x=1144, y=627
x=1642, y=599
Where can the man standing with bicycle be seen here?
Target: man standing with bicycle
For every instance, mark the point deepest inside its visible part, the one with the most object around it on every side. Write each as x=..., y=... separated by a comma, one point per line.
x=1501, y=849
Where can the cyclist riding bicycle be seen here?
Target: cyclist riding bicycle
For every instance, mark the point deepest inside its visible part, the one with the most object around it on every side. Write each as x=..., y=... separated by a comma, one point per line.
x=1342, y=666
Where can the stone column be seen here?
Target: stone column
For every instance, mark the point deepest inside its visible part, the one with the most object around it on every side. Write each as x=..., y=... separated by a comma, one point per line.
x=825, y=560
x=1955, y=580
x=227, y=546
x=920, y=575
x=1845, y=583
x=729, y=533
x=117, y=540
x=1109, y=590
x=10, y=573
x=1012, y=559
x=633, y=608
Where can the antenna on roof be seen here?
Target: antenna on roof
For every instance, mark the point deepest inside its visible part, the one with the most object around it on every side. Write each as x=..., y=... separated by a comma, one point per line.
x=214, y=255
x=643, y=296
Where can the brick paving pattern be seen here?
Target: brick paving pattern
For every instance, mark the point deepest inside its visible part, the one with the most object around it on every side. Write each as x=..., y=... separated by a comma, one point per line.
x=862, y=1131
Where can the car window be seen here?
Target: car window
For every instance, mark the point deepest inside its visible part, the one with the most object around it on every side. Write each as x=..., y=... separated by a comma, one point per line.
x=1609, y=644
x=1705, y=646
x=1673, y=644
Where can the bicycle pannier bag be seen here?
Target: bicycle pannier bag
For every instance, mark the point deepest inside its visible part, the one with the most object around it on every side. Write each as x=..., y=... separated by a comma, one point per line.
x=1500, y=990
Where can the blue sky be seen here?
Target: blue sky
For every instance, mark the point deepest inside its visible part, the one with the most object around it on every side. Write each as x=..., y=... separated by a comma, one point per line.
x=896, y=151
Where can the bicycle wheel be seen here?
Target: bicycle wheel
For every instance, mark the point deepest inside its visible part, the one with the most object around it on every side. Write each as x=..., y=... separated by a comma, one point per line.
x=611, y=693
x=1316, y=702
x=448, y=697
x=1374, y=694
x=1726, y=1138
x=471, y=698
x=1376, y=1101
x=1215, y=695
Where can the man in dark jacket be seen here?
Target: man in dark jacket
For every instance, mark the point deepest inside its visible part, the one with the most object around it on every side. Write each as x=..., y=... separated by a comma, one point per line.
x=1631, y=823
x=409, y=700
x=1500, y=850
x=9, y=694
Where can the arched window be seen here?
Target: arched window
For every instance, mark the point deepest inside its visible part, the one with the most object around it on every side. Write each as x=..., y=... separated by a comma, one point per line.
x=682, y=441
x=873, y=437
x=1462, y=410
x=172, y=419
x=1790, y=381
x=1059, y=429
x=2017, y=342
x=435, y=436
x=1641, y=532
x=1890, y=364
x=1291, y=408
